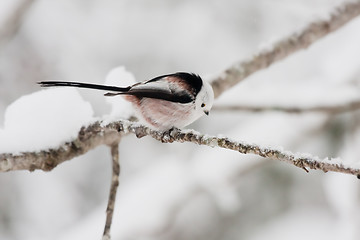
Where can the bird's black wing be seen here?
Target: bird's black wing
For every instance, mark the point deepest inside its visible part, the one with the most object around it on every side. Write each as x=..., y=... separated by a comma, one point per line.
x=178, y=87
x=161, y=89
x=191, y=81
x=179, y=96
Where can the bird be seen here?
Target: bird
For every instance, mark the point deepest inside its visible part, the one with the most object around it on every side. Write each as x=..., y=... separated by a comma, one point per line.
x=161, y=103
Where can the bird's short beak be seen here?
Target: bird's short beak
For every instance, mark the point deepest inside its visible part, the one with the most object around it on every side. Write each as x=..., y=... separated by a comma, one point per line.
x=206, y=112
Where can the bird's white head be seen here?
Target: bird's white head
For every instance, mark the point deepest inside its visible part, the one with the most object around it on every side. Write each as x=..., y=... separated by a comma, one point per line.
x=204, y=99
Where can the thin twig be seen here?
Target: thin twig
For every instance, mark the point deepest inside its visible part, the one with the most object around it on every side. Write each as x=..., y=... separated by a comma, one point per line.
x=285, y=47
x=328, y=109
x=113, y=189
x=97, y=133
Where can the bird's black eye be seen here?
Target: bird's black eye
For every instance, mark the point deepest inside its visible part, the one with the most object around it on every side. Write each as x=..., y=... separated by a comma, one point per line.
x=203, y=105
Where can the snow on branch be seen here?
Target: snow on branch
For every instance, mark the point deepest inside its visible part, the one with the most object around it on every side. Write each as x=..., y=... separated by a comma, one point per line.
x=99, y=133
x=285, y=47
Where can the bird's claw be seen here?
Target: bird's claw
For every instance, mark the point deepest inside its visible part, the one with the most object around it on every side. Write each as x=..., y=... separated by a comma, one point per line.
x=168, y=136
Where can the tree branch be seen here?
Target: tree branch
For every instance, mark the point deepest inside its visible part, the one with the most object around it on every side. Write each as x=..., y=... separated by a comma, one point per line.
x=113, y=189
x=88, y=138
x=285, y=47
x=334, y=109
x=98, y=134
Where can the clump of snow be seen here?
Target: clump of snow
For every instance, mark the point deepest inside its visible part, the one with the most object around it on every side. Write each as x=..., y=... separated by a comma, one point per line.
x=44, y=119
x=213, y=142
x=120, y=108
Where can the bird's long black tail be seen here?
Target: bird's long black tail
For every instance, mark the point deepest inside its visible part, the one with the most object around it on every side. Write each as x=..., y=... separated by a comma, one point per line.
x=83, y=85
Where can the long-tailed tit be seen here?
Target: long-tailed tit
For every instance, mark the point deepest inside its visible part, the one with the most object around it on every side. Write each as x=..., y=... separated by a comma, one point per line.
x=164, y=102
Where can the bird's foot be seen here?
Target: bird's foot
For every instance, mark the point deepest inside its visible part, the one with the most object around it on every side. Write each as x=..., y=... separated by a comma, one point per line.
x=168, y=135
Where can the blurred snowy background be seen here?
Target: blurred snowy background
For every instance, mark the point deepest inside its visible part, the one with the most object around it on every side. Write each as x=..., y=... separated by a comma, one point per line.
x=184, y=191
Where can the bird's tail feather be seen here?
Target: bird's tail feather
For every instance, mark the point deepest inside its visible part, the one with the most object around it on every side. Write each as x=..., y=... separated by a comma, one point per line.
x=84, y=85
